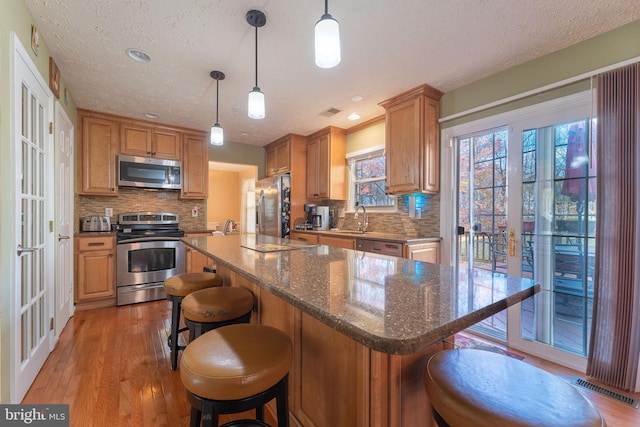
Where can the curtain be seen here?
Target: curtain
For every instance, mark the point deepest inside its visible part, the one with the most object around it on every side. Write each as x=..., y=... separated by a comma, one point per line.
x=615, y=334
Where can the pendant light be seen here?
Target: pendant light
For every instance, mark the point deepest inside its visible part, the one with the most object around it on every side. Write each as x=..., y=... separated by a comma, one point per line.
x=327, y=40
x=256, y=109
x=217, y=134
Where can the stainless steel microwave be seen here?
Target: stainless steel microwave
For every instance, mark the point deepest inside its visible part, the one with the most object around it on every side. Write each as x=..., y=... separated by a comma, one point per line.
x=147, y=172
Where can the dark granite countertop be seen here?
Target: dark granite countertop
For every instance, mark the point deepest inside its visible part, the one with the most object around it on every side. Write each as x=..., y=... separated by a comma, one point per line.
x=392, y=305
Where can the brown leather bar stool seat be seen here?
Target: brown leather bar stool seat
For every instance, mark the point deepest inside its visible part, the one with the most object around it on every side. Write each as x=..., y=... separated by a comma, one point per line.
x=176, y=288
x=470, y=387
x=237, y=368
x=211, y=308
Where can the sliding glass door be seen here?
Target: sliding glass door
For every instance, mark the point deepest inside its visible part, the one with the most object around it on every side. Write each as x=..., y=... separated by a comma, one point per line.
x=526, y=206
x=482, y=211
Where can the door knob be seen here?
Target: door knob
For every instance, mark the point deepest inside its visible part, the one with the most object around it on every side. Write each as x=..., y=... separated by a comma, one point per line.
x=60, y=237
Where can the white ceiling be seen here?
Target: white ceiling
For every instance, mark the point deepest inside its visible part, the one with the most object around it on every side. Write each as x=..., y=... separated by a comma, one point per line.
x=387, y=48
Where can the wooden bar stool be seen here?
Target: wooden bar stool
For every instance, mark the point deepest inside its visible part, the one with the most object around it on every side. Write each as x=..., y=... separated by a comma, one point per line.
x=237, y=368
x=176, y=288
x=211, y=308
x=470, y=387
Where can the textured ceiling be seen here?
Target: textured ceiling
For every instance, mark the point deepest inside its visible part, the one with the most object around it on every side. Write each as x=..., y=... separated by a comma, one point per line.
x=387, y=48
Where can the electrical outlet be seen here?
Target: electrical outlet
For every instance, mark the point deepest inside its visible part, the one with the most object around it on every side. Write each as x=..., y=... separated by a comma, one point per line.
x=194, y=211
x=108, y=211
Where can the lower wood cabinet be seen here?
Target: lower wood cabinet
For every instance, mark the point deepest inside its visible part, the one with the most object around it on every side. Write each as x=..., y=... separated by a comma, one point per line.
x=337, y=242
x=426, y=252
x=95, y=271
x=304, y=237
x=195, y=261
x=335, y=381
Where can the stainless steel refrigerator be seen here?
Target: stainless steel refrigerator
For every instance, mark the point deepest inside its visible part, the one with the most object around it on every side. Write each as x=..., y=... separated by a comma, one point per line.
x=273, y=206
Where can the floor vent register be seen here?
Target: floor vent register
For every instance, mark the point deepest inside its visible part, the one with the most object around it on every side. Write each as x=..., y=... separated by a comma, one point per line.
x=611, y=394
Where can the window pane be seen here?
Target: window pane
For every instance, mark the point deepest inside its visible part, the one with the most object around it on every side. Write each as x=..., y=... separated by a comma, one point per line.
x=370, y=168
x=371, y=193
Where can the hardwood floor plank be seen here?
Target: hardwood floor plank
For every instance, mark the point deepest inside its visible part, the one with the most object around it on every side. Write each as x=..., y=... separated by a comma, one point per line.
x=112, y=366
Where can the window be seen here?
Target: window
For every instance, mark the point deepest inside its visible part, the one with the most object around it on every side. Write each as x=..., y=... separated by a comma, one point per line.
x=367, y=181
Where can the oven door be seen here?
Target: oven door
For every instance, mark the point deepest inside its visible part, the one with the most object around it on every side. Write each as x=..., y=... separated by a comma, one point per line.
x=142, y=268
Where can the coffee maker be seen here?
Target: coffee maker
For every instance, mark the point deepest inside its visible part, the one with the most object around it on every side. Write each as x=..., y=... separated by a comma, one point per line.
x=321, y=218
x=309, y=210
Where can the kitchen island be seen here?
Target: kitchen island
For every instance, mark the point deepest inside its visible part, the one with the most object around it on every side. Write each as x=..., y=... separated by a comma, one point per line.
x=363, y=325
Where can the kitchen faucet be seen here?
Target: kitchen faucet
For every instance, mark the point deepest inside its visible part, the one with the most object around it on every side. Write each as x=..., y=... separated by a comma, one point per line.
x=365, y=217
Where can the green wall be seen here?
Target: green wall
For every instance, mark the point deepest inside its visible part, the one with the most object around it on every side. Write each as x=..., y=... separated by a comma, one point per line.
x=593, y=54
x=244, y=154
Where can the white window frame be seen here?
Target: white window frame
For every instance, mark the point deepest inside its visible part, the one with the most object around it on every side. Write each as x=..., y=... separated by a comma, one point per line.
x=351, y=158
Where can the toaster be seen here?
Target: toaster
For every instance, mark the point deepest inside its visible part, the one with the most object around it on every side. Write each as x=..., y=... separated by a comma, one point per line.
x=95, y=223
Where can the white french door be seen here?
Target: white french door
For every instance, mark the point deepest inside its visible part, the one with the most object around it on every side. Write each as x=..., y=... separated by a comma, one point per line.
x=32, y=309
x=64, y=143
x=526, y=207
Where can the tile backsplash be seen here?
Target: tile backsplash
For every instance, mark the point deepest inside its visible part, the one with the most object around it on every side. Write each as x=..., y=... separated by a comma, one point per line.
x=137, y=199
x=399, y=222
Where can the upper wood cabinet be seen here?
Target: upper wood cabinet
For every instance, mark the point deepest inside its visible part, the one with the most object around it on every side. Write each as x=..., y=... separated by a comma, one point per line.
x=278, y=156
x=140, y=140
x=289, y=155
x=195, y=166
x=97, y=155
x=326, y=170
x=413, y=141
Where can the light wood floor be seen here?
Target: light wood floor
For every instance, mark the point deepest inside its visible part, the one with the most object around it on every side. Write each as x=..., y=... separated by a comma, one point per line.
x=112, y=367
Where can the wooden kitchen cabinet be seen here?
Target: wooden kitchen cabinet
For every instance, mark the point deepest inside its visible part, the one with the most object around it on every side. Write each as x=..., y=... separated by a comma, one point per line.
x=337, y=242
x=354, y=386
x=289, y=155
x=413, y=141
x=426, y=252
x=95, y=271
x=97, y=155
x=137, y=139
x=195, y=166
x=278, y=156
x=304, y=237
x=195, y=261
x=326, y=170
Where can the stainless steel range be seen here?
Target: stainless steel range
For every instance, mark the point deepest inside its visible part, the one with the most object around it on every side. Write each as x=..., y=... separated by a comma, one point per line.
x=148, y=251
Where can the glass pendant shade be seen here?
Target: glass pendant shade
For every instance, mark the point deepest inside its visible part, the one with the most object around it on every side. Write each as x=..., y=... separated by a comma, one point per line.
x=256, y=104
x=327, y=42
x=217, y=135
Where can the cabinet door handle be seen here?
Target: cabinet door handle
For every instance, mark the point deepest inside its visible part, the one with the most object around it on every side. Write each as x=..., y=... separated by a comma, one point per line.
x=95, y=244
x=153, y=153
x=112, y=189
x=60, y=237
x=110, y=255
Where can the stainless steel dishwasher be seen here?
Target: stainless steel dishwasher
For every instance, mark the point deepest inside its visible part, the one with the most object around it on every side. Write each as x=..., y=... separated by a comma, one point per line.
x=380, y=247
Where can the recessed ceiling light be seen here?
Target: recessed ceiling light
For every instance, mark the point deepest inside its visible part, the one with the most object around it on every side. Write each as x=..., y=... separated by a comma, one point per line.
x=353, y=116
x=356, y=98
x=151, y=115
x=244, y=133
x=138, y=55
